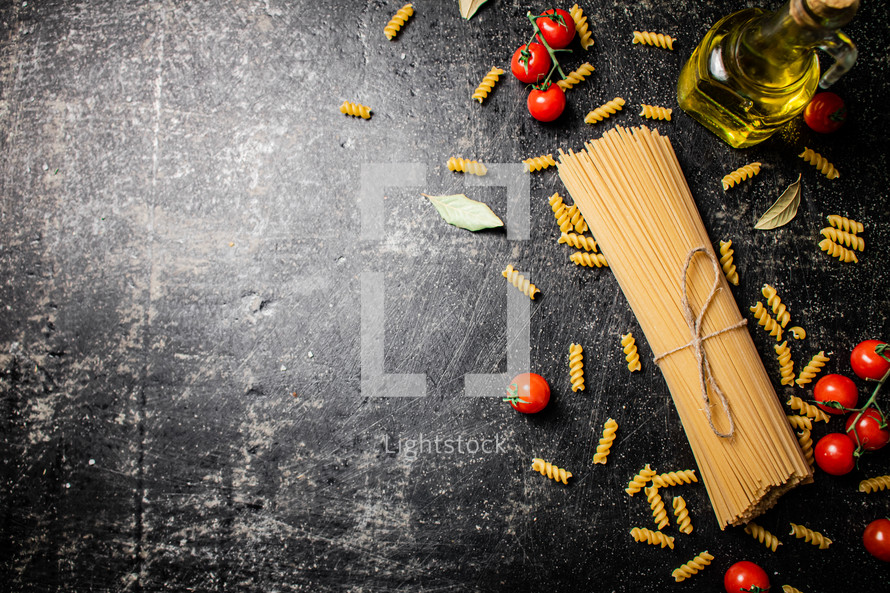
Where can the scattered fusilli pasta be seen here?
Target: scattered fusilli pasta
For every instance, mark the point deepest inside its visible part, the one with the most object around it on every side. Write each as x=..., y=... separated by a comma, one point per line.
x=656, y=503
x=807, y=409
x=551, y=471
x=820, y=162
x=684, y=523
x=629, y=344
x=874, y=484
x=786, y=365
x=838, y=251
x=775, y=303
x=805, y=438
x=653, y=538
x=466, y=166
x=740, y=174
x=656, y=112
x=576, y=367
x=520, y=282
x=808, y=535
x=800, y=422
x=729, y=269
x=839, y=236
x=797, y=332
x=763, y=536
x=686, y=476
x=582, y=258
x=395, y=24
x=581, y=27
x=578, y=241
x=605, y=444
x=576, y=76
x=845, y=224
x=766, y=320
x=604, y=111
x=790, y=589
x=655, y=39
x=355, y=110
x=692, y=567
x=812, y=369
x=537, y=163
x=487, y=84
x=640, y=480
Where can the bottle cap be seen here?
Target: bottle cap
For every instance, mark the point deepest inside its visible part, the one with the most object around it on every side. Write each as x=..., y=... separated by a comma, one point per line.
x=829, y=14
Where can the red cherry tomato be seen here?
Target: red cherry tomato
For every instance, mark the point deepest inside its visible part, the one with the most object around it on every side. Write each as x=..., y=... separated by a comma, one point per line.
x=867, y=363
x=548, y=104
x=868, y=430
x=834, y=454
x=745, y=576
x=836, y=388
x=825, y=113
x=558, y=29
x=531, y=65
x=528, y=393
x=876, y=539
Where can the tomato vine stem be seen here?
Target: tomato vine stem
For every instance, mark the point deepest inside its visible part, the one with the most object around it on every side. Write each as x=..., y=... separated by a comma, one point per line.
x=552, y=52
x=871, y=403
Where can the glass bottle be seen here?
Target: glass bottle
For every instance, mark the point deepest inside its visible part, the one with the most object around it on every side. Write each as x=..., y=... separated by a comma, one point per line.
x=756, y=70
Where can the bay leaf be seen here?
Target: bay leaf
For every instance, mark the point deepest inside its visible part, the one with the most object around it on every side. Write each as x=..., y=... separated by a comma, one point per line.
x=469, y=7
x=784, y=209
x=461, y=211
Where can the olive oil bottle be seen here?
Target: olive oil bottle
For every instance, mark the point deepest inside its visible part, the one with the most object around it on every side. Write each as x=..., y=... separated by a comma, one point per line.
x=755, y=70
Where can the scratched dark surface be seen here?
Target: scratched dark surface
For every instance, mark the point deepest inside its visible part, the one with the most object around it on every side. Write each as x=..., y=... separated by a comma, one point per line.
x=183, y=258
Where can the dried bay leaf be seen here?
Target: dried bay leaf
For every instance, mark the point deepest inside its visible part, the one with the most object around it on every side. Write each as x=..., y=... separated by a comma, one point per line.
x=461, y=211
x=469, y=7
x=783, y=210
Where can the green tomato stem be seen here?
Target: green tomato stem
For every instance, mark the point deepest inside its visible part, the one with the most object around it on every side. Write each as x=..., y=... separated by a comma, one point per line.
x=870, y=403
x=533, y=19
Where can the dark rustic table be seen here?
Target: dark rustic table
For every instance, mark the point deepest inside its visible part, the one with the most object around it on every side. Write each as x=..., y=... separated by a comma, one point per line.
x=235, y=340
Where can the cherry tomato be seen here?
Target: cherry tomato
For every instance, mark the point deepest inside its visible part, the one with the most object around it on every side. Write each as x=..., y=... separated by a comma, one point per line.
x=528, y=393
x=825, y=113
x=836, y=388
x=834, y=453
x=867, y=363
x=558, y=30
x=876, y=539
x=871, y=436
x=745, y=576
x=531, y=65
x=548, y=104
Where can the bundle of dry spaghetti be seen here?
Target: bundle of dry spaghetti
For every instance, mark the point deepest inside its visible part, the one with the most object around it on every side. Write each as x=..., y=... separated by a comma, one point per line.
x=632, y=192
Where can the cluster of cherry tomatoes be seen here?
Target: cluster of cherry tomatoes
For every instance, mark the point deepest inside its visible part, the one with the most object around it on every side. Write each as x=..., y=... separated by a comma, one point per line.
x=534, y=62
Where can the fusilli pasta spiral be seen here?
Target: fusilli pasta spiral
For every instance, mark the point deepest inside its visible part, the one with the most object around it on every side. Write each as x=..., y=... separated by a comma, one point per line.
x=812, y=369
x=396, y=22
x=581, y=27
x=640, y=480
x=536, y=163
x=800, y=422
x=766, y=320
x=740, y=174
x=729, y=269
x=844, y=223
x=582, y=258
x=653, y=538
x=466, y=166
x=686, y=476
x=763, y=536
x=578, y=241
x=551, y=471
x=655, y=39
x=797, y=332
x=786, y=365
x=576, y=76
x=355, y=110
x=820, y=162
x=656, y=112
x=838, y=251
x=684, y=523
x=839, y=236
x=576, y=367
x=605, y=444
x=790, y=589
x=775, y=303
x=808, y=535
x=520, y=282
x=692, y=567
x=487, y=84
x=805, y=438
x=604, y=111
x=629, y=344
x=807, y=409
x=874, y=484
x=570, y=217
x=656, y=503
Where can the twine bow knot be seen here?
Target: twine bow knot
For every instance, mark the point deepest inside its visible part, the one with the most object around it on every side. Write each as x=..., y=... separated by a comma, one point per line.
x=706, y=375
